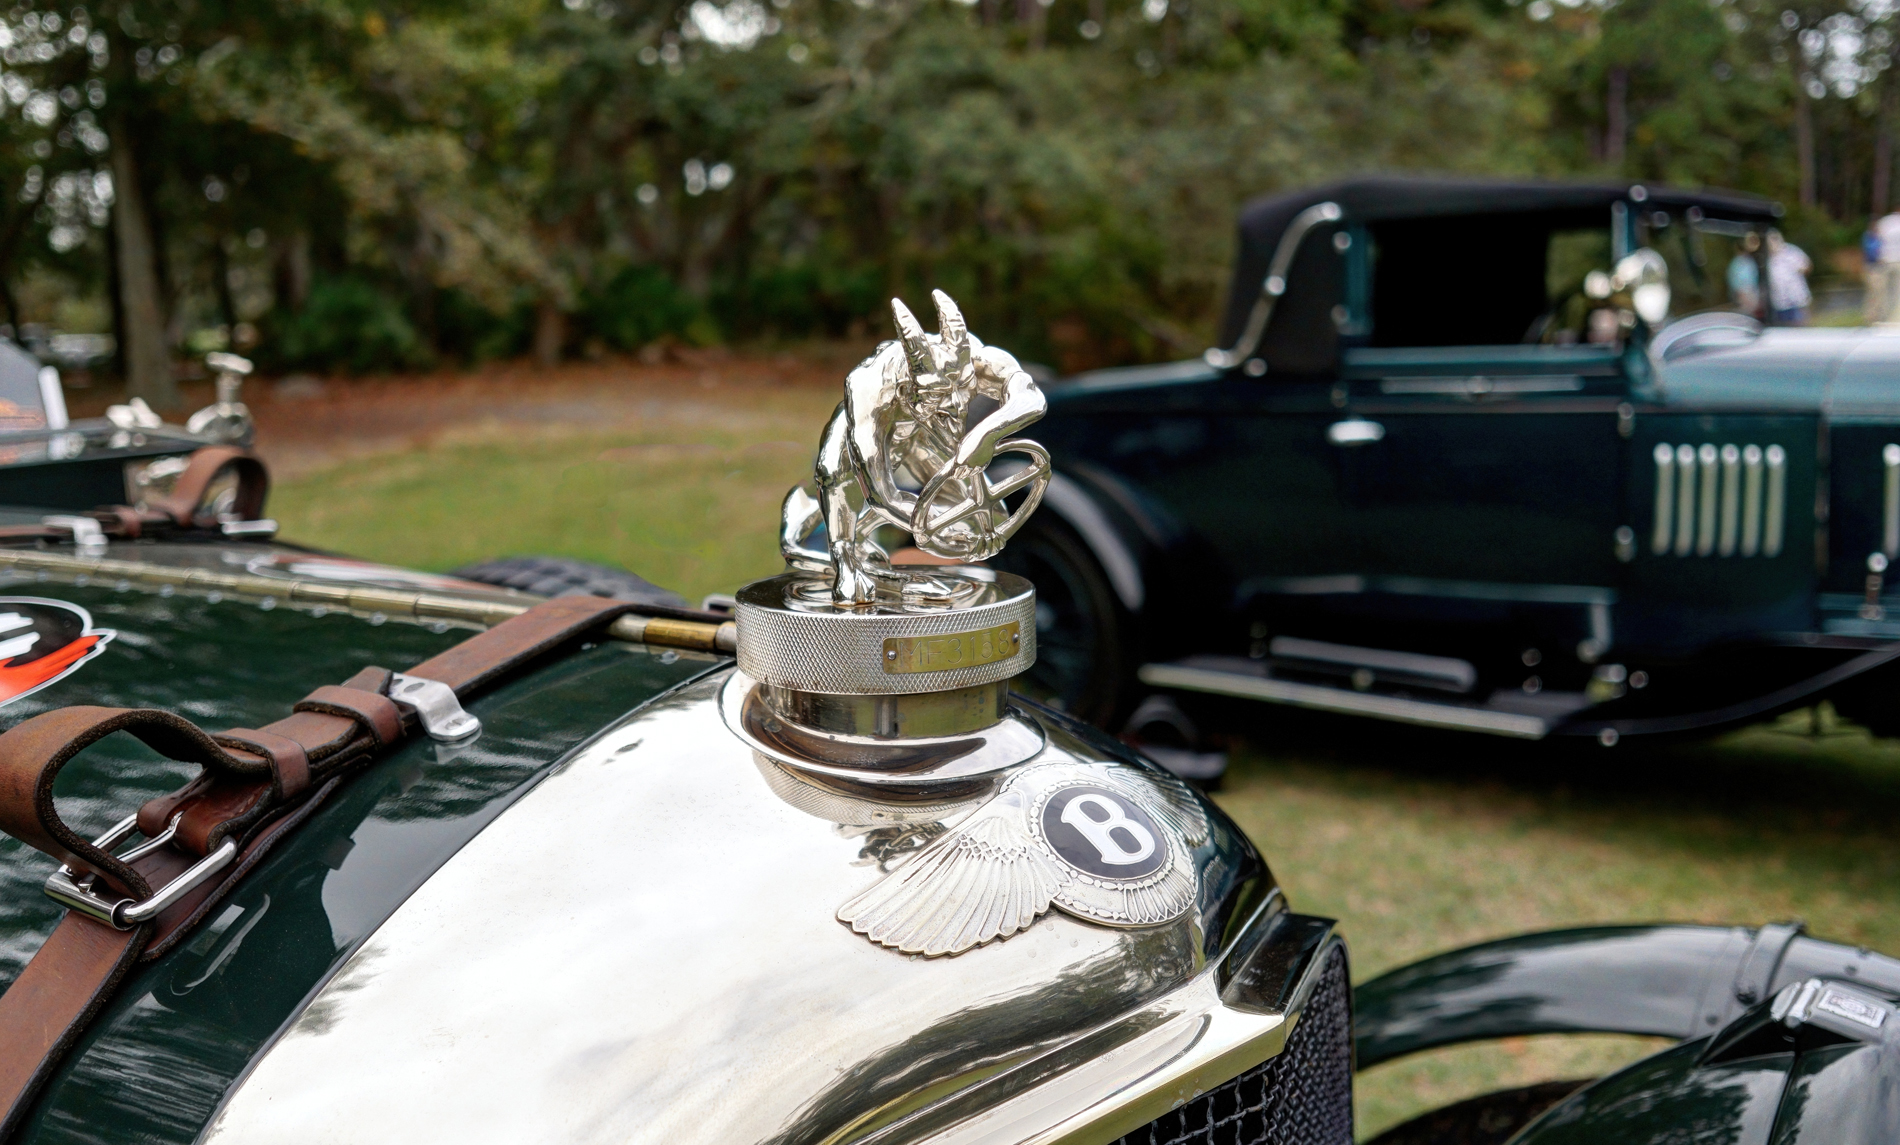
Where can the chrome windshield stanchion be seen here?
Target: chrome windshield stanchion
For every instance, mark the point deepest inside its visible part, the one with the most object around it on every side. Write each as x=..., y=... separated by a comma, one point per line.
x=71, y=889
x=1273, y=286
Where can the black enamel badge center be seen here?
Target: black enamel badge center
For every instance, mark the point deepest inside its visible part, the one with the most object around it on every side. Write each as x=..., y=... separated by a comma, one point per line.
x=1103, y=833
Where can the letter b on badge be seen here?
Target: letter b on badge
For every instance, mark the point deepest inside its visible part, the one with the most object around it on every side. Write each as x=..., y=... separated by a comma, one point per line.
x=1110, y=833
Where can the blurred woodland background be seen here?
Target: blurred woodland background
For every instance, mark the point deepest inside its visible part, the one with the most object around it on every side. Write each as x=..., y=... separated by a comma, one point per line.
x=332, y=185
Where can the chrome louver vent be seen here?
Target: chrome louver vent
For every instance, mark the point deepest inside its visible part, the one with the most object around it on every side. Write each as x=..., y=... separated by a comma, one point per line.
x=1722, y=501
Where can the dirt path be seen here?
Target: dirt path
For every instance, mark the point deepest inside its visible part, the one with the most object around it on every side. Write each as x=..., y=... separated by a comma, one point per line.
x=306, y=424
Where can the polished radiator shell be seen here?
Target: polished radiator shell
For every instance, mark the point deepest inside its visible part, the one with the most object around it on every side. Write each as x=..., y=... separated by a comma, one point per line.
x=645, y=948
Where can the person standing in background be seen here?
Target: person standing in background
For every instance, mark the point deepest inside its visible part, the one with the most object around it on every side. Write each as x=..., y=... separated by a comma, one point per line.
x=1883, y=280
x=1788, y=294
x=1744, y=277
x=1872, y=303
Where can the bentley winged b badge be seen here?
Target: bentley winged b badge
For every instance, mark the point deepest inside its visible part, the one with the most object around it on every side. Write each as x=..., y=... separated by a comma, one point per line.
x=859, y=676
x=1092, y=839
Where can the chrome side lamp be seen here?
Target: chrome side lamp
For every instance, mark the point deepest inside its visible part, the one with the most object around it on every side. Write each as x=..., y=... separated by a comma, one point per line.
x=226, y=421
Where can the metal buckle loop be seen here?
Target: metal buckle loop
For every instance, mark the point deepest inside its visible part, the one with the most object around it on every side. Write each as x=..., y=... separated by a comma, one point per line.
x=88, y=538
x=71, y=889
x=435, y=705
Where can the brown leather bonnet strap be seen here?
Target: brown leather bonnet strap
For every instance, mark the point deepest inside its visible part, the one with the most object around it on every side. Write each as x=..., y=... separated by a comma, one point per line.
x=32, y=754
x=188, y=492
x=257, y=786
x=177, y=509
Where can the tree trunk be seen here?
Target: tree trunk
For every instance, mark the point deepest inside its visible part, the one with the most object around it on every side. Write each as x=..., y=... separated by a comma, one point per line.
x=9, y=303
x=550, y=333
x=115, y=294
x=293, y=271
x=1882, y=190
x=1616, y=118
x=142, y=346
x=221, y=286
x=1804, y=138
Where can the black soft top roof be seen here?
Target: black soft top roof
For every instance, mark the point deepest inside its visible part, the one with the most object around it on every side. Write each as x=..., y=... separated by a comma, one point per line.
x=1389, y=197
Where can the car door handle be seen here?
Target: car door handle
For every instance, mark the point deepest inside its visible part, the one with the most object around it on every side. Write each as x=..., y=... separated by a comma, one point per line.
x=1354, y=431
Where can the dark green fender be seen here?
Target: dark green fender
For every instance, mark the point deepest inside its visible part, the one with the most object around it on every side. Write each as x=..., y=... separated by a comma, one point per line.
x=156, y=1064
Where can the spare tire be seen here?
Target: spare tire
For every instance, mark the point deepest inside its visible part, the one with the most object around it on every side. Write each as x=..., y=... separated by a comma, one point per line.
x=564, y=576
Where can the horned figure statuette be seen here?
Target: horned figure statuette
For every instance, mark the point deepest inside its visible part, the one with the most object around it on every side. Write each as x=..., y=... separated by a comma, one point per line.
x=921, y=421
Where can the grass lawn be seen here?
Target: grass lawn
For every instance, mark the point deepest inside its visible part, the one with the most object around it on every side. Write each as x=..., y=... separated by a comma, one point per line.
x=1417, y=842
x=1420, y=842
x=686, y=500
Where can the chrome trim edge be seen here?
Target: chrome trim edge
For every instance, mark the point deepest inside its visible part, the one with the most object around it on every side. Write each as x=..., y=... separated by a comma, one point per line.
x=1067, y=498
x=1396, y=708
x=1890, y=506
x=1202, y=1044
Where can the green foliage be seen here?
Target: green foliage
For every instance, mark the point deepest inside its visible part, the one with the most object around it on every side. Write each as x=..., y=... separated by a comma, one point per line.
x=708, y=169
x=469, y=332
x=641, y=304
x=347, y=323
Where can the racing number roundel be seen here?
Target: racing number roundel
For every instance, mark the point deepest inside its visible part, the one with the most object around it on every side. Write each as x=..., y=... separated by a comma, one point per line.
x=42, y=641
x=1103, y=833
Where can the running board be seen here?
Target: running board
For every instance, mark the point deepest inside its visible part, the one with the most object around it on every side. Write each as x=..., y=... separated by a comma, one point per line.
x=1253, y=686
x=1404, y=669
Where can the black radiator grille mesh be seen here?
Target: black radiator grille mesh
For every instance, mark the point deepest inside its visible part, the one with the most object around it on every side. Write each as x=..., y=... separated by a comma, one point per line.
x=1301, y=1097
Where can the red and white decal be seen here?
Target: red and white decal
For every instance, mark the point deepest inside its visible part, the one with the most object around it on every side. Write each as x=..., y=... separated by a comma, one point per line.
x=42, y=641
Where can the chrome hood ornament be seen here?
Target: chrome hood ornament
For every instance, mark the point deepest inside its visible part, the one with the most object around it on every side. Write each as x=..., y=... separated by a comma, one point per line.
x=856, y=671
x=906, y=423
x=888, y=670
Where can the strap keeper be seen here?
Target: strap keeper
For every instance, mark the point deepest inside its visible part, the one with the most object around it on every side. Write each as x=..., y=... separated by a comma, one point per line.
x=130, y=523
x=289, y=762
x=374, y=711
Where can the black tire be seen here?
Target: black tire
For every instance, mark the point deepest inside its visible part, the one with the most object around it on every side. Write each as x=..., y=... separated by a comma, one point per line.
x=1871, y=700
x=1489, y=1119
x=1084, y=662
x=564, y=576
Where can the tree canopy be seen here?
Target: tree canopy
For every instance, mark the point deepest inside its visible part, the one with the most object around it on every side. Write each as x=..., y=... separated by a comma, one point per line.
x=384, y=186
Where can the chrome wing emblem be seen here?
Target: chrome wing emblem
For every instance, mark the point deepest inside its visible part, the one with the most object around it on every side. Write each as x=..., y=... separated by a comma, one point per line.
x=1104, y=842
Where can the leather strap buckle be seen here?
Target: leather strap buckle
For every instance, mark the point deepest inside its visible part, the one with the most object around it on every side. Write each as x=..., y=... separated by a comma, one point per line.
x=71, y=889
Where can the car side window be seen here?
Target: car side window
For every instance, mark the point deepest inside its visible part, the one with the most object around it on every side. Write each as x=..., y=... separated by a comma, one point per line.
x=1488, y=280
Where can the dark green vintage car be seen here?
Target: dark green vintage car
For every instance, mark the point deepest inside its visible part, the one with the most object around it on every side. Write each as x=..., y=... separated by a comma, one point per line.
x=1488, y=456
x=587, y=870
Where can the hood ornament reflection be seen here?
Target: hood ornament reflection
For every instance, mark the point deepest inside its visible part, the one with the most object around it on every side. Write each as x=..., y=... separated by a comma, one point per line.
x=929, y=413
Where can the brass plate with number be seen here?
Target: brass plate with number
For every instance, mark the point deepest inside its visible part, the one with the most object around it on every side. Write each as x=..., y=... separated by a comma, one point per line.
x=907, y=654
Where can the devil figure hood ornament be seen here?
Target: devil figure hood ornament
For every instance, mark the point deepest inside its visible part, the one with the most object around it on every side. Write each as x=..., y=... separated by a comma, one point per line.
x=921, y=421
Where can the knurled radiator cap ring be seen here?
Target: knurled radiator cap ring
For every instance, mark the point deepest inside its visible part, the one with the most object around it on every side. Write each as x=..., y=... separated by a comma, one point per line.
x=844, y=651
